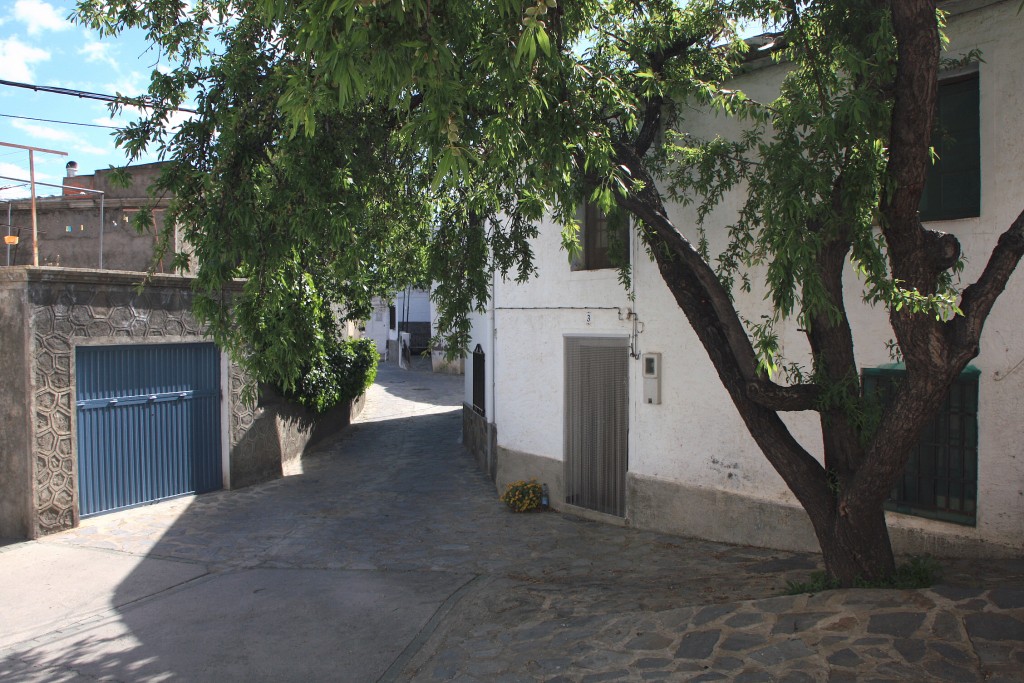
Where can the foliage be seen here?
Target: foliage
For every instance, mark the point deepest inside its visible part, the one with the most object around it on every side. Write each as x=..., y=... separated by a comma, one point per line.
x=346, y=370
x=522, y=496
x=917, y=572
x=344, y=148
x=314, y=226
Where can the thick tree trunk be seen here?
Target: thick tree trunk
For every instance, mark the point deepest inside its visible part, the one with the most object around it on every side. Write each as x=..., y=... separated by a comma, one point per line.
x=852, y=532
x=845, y=498
x=855, y=546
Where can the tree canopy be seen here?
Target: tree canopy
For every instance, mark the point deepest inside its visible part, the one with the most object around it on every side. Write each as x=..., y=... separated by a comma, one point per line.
x=346, y=147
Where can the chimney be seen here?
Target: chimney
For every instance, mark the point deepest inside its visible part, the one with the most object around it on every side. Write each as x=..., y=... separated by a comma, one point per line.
x=71, y=169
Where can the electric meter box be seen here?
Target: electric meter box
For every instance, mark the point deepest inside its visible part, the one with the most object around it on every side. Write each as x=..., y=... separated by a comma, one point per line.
x=652, y=378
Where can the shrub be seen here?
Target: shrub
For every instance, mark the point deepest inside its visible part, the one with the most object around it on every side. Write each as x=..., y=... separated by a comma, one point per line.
x=522, y=496
x=339, y=376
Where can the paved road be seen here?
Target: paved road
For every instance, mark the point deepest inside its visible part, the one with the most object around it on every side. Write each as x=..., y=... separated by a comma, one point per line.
x=389, y=558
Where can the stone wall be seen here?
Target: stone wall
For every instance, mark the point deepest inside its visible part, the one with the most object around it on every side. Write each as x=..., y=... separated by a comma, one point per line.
x=270, y=440
x=45, y=313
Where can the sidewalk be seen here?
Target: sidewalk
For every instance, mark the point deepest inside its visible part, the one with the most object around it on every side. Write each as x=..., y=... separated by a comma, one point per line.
x=390, y=558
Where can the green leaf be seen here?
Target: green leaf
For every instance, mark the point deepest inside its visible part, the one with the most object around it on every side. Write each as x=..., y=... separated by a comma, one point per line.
x=543, y=41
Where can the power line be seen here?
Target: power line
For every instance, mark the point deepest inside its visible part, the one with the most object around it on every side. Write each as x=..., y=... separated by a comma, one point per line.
x=120, y=99
x=66, y=123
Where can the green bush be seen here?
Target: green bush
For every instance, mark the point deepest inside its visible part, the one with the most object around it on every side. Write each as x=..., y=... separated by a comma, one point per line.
x=339, y=376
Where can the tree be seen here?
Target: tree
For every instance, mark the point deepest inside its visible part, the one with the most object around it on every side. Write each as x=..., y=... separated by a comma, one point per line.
x=458, y=125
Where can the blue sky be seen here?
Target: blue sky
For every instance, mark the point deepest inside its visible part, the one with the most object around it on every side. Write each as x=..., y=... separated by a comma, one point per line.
x=39, y=45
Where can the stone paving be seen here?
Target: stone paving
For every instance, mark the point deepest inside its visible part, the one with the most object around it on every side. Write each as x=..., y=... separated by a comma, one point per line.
x=548, y=596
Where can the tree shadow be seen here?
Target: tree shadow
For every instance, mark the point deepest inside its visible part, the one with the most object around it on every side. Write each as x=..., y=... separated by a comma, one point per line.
x=336, y=572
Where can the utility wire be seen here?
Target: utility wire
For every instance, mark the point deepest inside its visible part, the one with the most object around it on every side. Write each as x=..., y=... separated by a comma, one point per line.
x=66, y=123
x=120, y=99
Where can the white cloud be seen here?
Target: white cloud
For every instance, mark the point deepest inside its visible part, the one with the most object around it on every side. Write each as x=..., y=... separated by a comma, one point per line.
x=40, y=16
x=132, y=85
x=80, y=148
x=95, y=51
x=18, y=58
x=12, y=189
x=73, y=142
x=44, y=132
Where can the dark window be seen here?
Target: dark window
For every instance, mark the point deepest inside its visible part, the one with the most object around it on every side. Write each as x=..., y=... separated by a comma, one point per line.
x=392, y=317
x=953, y=187
x=604, y=240
x=479, y=380
x=941, y=477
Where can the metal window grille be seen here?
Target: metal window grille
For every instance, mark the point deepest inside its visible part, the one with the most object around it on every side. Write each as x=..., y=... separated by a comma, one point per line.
x=940, y=480
x=479, y=380
x=596, y=422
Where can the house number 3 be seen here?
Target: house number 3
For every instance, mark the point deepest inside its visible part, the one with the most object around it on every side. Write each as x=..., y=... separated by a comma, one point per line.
x=588, y=318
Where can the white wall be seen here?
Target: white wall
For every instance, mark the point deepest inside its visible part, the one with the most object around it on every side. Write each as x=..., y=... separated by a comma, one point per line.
x=695, y=438
x=377, y=325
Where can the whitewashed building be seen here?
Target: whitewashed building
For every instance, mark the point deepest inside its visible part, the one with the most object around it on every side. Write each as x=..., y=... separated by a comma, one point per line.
x=410, y=312
x=556, y=386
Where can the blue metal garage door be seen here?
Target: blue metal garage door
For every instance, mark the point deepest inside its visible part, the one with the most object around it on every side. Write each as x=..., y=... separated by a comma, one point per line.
x=148, y=423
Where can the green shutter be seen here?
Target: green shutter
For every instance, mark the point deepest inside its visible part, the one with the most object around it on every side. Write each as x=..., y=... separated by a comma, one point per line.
x=953, y=187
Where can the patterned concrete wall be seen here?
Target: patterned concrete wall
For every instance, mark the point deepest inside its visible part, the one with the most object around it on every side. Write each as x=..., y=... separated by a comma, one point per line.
x=68, y=308
x=45, y=313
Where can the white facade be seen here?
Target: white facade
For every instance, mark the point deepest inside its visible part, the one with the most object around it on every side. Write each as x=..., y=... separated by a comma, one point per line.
x=692, y=467
x=410, y=306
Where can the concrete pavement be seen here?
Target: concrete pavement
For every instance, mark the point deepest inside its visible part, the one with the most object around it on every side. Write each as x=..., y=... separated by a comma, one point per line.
x=390, y=558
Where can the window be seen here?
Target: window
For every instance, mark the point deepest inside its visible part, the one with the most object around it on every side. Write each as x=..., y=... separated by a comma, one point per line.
x=604, y=240
x=953, y=187
x=941, y=477
x=479, y=380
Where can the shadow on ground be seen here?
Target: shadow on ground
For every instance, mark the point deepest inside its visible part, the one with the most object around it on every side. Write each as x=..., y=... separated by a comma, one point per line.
x=388, y=554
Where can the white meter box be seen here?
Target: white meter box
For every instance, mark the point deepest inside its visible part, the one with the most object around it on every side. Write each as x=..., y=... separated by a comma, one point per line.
x=652, y=378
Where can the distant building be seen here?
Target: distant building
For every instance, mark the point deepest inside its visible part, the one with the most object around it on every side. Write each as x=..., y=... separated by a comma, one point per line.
x=410, y=312
x=89, y=211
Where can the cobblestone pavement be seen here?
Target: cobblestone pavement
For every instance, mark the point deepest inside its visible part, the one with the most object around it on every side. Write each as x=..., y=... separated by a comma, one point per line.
x=547, y=596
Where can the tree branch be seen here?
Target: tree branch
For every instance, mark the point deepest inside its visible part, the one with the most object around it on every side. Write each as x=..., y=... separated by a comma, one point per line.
x=707, y=306
x=652, y=115
x=977, y=300
x=782, y=398
x=913, y=114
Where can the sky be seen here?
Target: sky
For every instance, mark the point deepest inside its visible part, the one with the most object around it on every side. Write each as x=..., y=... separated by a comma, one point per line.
x=40, y=46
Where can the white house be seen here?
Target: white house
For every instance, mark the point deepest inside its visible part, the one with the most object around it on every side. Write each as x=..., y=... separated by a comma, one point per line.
x=410, y=312
x=555, y=385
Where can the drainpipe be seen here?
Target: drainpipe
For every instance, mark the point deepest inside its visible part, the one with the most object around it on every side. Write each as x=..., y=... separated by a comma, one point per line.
x=492, y=455
x=102, y=221
x=9, y=231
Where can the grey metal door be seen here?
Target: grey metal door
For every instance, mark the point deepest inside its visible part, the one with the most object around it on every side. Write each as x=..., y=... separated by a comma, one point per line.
x=148, y=423
x=596, y=422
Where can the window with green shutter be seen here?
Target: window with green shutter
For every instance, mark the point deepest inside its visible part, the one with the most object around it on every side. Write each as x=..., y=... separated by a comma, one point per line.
x=953, y=187
x=940, y=480
x=604, y=239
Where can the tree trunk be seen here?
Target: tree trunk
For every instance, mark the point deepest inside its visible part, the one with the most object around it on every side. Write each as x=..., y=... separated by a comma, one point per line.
x=855, y=546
